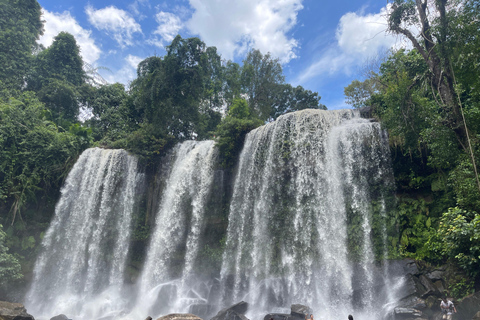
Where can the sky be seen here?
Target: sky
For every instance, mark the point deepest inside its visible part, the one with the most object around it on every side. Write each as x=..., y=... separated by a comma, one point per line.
x=323, y=45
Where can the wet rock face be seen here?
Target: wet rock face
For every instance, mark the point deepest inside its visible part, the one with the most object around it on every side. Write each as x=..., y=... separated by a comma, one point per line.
x=300, y=311
x=13, y=311
x=235, y=312
x=469, y=307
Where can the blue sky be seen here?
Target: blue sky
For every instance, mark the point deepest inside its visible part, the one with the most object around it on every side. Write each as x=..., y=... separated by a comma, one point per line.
x=323, y=45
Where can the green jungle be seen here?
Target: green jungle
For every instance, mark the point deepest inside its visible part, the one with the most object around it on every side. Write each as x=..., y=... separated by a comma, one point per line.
x=53, y=106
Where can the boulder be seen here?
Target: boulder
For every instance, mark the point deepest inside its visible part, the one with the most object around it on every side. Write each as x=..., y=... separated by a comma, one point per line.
x=179, y=316
x=439, y=285
x=436, y=275
x=476, y=316
x=300, y=311
x=280, y=316
x=60, y=317
x=407, y=313
x=11, y=311
x=468, y=307
x=235, y=312
x=431, y=289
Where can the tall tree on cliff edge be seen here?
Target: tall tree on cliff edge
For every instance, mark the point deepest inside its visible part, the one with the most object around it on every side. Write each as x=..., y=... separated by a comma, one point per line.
x=57, y=75
x=176, y=93
x=20, y=27
x=435, y=43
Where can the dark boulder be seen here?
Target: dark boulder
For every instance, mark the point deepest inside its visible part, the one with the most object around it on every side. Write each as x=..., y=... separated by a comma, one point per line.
x=280, y=316
x=235, y=312
x=300, y=311
x=430, y=288
x=13, y=311
x=468, y=307
x=60, y=317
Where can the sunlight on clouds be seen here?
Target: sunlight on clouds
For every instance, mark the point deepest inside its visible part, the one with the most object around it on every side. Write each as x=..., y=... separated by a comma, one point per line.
x=364, y=35
x=260, y=24
x=114, y=21
x=57, y=22
x=168, y=27
x=359, y=37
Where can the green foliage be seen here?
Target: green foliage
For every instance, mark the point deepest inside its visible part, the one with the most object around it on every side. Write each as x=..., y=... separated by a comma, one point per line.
x=460, y=287
x=458, y=240
x=112, y=119
x=57, y=75
x=35, y=154
x=176, y=92
x=463, y=181
x=358, y=93
x=20, y=27
x=232, y=131
x=10, y=269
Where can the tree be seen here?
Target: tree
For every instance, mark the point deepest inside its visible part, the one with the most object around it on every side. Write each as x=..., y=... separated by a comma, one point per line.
x=20, y=27
x=433, y=45
x=57, y=75
x=111, y=119
x=358, y=93
x=232, y=131
x=290, y=99
x=35, y=155
x=181, y=89
x=261, y=77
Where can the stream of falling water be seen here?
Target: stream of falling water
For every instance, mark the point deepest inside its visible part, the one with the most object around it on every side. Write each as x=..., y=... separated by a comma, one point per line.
x=80, y=270
x=166, y=282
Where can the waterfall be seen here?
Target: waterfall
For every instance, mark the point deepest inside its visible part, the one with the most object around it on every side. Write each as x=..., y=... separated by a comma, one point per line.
x=302, y=227
x=306, y=209
x=80, y=271
x=168, y=274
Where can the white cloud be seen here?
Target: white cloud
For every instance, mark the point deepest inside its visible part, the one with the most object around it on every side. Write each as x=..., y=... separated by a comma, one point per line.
x=127, y=73
x=358, y=38
x=168, y=27
x=261, y=24
x=57, y=22
x=116, y=22
x=136, y=6
x=364, y=35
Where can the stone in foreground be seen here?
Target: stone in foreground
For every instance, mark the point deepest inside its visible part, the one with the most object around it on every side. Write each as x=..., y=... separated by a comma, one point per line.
x=13, y=311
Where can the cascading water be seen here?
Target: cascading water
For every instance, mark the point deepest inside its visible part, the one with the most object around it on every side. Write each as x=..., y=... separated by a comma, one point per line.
x=80, y=271
x=301, y=223
x=168, y=277
x=306, y=223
